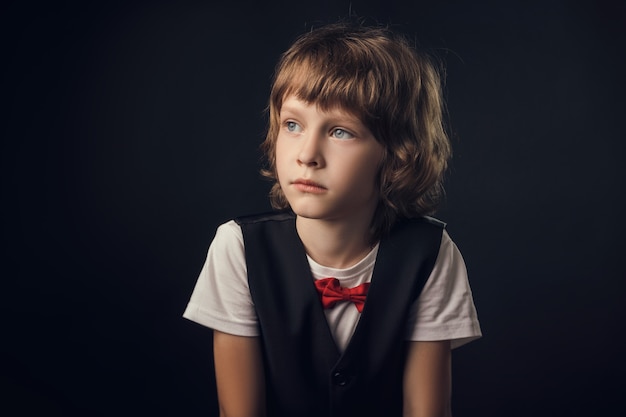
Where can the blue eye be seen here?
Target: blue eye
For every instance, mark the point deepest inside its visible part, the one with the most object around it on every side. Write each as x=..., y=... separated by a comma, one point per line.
x=342, y=134
x=293, y=127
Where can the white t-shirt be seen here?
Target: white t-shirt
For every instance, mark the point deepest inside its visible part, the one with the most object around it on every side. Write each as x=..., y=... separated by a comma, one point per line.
x=444, y=310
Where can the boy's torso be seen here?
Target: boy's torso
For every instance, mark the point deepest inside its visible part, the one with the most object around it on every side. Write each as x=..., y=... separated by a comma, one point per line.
x=305, y=371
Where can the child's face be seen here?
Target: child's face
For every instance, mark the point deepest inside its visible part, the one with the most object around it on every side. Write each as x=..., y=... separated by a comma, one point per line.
x=327, y=162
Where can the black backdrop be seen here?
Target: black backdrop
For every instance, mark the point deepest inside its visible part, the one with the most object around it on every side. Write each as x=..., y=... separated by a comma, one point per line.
x=130, y=131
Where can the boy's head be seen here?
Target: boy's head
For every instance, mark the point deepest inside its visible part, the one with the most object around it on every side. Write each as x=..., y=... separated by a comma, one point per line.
x=374, y=74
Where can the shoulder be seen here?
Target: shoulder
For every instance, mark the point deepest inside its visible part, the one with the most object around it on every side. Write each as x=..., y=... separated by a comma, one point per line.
x=229, y=232
x=258, y=229
x=424, y=221
x=268, y=217
x=420, y=229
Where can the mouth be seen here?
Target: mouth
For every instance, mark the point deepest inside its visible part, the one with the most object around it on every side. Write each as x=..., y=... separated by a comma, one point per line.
x=308, y=186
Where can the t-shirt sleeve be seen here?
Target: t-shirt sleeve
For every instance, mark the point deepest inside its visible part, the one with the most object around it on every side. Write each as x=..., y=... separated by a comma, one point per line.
x=221, y=298
x=445, y=309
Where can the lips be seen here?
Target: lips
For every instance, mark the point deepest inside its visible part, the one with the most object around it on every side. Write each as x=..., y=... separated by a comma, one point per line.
x=308, y=186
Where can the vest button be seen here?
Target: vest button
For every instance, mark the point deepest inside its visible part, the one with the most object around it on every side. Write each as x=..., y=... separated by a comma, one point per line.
x=340, y=379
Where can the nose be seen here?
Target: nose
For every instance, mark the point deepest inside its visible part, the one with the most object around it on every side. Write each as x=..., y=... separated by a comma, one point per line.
x=310, y=153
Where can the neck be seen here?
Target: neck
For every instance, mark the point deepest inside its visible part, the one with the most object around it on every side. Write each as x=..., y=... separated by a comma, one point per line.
x=335, y=244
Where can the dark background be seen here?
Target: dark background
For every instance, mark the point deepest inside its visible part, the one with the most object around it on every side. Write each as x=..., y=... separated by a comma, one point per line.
x=130, y=131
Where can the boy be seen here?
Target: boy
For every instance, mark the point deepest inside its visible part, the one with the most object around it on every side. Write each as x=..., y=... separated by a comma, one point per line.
x=348, y=301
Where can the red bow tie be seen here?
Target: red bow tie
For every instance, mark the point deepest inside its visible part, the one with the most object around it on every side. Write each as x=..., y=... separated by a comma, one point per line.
x=331, y=292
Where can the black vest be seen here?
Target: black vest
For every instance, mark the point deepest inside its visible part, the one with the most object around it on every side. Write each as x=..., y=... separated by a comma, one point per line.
x=305, y=373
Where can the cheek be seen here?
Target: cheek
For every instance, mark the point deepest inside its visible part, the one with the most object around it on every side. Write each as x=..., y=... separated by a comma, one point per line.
x=372, y=171
x=280, y=147
x=279, y=158
x=370, y=163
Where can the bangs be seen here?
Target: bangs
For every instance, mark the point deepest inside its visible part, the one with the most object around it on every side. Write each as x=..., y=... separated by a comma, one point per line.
x=330, y=79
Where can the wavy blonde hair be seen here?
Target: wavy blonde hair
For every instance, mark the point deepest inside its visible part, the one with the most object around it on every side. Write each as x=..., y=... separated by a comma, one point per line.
x=396, y=92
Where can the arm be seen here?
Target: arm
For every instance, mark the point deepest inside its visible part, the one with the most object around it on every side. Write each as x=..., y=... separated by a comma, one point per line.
x=239, y=375
x=428, y=380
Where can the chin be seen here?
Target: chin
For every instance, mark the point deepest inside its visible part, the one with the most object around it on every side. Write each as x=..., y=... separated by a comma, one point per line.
x=308, y=211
